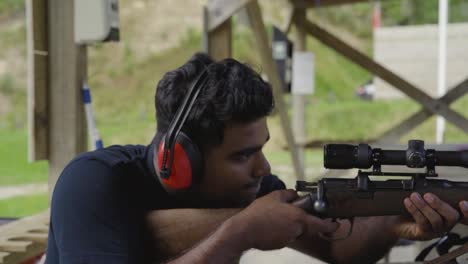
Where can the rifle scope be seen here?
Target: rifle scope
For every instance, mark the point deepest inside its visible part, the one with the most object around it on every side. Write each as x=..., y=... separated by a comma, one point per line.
x=362, y=156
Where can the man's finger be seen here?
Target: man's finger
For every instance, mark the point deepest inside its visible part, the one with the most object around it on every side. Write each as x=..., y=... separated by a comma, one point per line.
x=448, y=213
x=432, y=216
x=285, y=195
x=418, y=217
x=464, y=209
x=314, y=225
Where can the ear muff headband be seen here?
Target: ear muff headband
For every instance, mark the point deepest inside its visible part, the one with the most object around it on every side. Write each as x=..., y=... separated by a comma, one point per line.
x=169, y=146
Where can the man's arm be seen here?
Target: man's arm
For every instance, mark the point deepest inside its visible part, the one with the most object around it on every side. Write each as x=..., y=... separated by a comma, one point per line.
x=225, y=245
x=221, y=235
x=181, y=229
x=177, y=230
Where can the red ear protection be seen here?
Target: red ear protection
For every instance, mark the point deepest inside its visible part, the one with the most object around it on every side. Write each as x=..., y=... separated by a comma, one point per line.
x=179, y=159
x=186, y=167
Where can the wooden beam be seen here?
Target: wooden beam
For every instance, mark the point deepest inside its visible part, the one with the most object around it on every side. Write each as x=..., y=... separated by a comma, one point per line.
x=322, y=3
x=264, y=49
x=392, y=135
x=67, y=66
x=434, y=106
x=219, y=41
x=289, y=20
x=219, y=11
x=299, y=100
x=37, y=43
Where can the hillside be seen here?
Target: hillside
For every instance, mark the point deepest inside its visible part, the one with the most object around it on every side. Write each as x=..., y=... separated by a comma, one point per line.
x=152, y=43
x=158, y=36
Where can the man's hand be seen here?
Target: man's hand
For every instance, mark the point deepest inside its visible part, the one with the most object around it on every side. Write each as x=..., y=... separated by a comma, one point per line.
x=464, y=209
x=271, y=222
x=432, y=217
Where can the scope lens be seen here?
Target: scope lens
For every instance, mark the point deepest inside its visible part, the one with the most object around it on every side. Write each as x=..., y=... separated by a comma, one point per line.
x=339, y=156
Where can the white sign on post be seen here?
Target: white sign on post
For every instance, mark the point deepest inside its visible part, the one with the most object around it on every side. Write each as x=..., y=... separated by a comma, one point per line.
x=303, y=73
x=96, y=21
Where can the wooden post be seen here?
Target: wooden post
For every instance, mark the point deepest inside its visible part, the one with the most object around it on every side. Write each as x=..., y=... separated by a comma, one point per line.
x=289, y=20
x=219, y=41
x=314, y=3
x=218, y=27
x=38, y=125
x=299, y=100
x=264, y=49
x=67, y=66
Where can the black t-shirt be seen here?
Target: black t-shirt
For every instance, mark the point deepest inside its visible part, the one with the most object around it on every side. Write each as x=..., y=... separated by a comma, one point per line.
x=99, y=205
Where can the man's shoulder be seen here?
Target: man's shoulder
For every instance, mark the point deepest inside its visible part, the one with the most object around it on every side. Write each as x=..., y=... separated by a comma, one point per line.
x=114, y=172
x=106, y=166
x=113, y=155
x=96, y=200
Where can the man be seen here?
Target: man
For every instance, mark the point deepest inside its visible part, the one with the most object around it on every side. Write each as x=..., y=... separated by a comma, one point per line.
x=104, y=200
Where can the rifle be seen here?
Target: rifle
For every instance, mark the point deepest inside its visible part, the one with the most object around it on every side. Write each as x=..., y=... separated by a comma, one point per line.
x=346, y=198
x=341, y=198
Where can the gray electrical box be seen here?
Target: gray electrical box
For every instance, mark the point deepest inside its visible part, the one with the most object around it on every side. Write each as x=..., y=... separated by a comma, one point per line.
x=96, y=21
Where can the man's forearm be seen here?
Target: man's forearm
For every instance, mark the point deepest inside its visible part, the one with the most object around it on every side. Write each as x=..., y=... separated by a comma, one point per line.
x=370, y=240
x=225, y=245
x=175, y=231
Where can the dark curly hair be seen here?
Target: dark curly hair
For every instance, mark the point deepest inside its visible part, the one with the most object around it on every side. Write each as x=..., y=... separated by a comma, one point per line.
x=233, y=92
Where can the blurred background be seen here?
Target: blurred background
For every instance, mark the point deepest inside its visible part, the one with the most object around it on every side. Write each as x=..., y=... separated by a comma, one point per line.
x=157, y=36
x=160, y=35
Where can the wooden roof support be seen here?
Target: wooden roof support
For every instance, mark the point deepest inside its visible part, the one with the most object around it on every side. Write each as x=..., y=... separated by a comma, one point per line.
x=322, y=3
x=422, y=115
x=38, y=68
x=67, y=64
x=219, y=41
x=264, y=49
x=432, y=105
x=219, y=11
x=289, y=20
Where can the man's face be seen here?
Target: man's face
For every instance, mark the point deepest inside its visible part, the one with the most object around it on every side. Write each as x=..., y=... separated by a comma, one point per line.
x=233, y=170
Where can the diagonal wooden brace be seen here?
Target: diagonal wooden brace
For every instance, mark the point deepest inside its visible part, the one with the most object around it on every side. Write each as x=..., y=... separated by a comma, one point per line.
x=265, y=52
x=422, y=115
x=432, y=105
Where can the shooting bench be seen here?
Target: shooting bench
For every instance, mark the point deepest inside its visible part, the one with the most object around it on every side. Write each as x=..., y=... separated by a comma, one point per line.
x=24, y=239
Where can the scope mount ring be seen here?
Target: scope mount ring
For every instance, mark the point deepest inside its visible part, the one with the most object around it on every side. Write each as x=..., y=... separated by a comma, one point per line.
x=377, y=160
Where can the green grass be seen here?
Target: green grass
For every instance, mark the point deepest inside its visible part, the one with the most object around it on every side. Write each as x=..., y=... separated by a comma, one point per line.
x=361, y=120
x=123, y=97
x=24, y=205
x=14, y=166
x=8, y=7
x=14, y=38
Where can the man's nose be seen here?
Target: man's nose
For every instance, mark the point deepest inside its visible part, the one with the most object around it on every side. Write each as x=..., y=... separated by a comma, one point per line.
x=262, y=166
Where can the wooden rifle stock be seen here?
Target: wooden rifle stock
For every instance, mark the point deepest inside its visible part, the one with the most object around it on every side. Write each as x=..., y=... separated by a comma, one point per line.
x=344, y=198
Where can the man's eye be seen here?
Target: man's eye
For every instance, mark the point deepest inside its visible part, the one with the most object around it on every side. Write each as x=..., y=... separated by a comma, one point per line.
x=243, y=157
